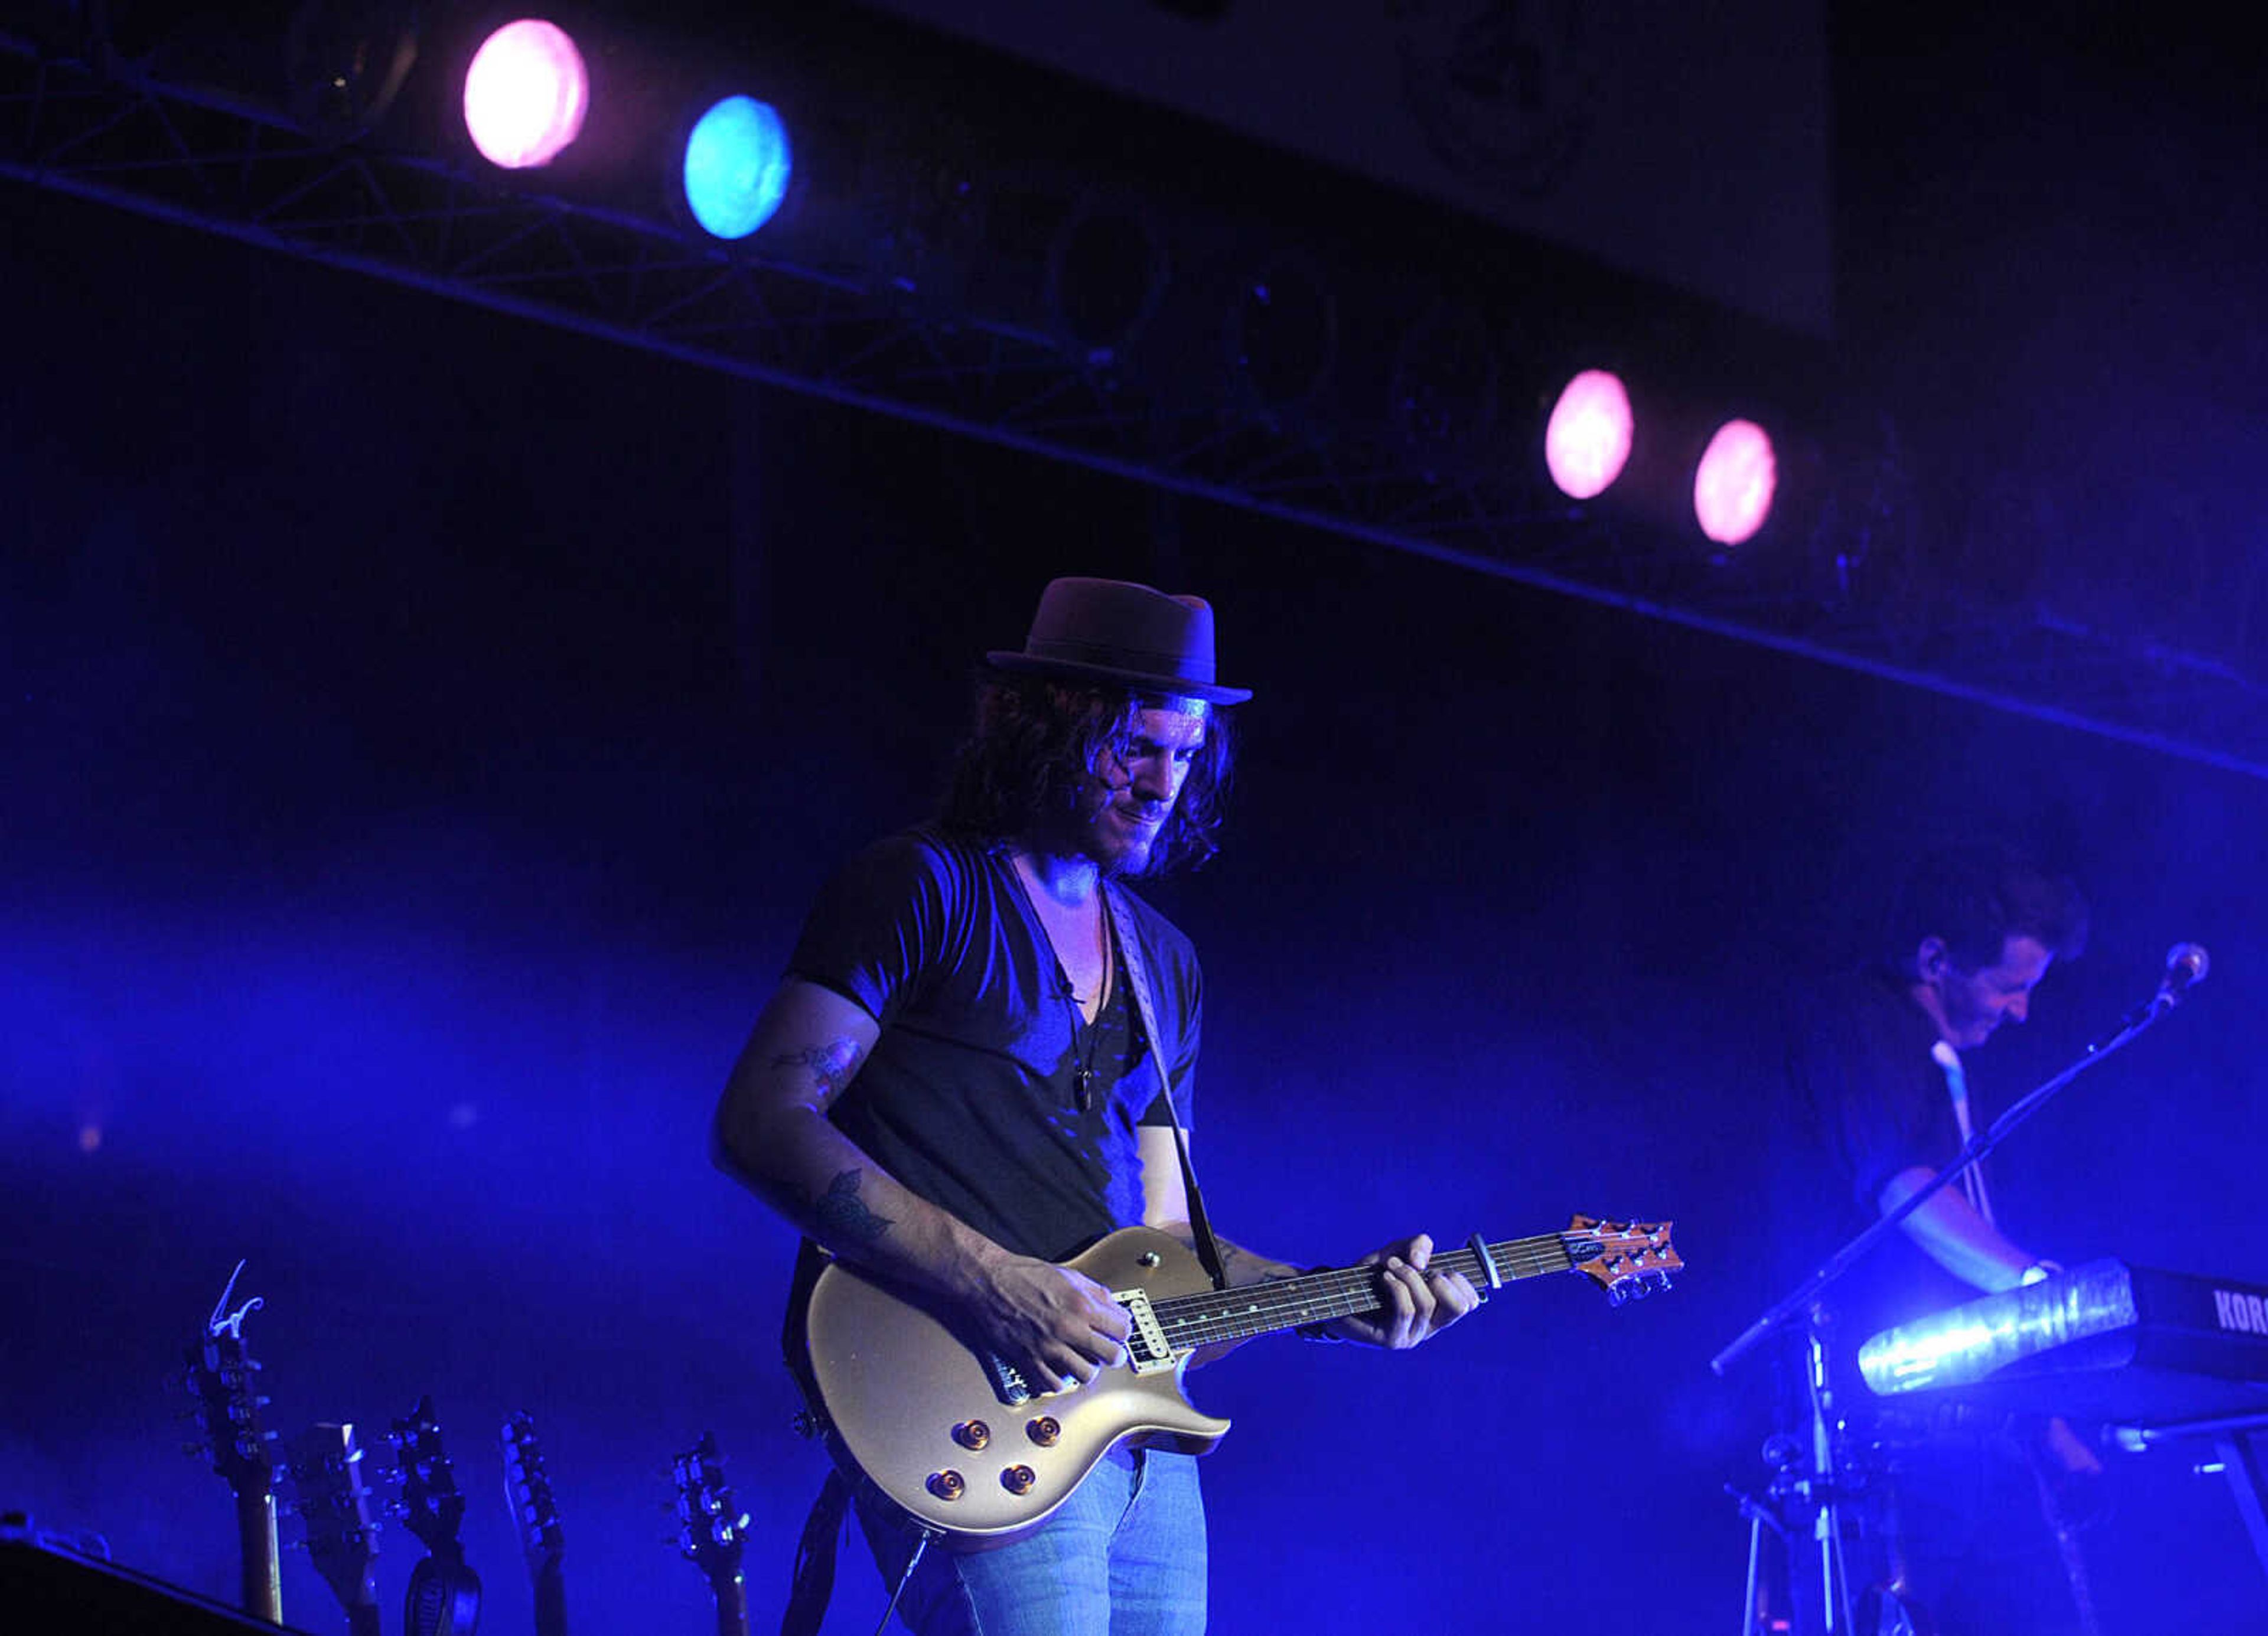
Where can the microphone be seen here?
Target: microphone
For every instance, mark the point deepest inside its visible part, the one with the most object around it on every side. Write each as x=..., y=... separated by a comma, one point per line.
x=2186, y=964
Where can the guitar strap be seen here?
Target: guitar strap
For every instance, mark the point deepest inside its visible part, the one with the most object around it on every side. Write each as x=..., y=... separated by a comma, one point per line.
x=1138, y=978
x=813, y=1582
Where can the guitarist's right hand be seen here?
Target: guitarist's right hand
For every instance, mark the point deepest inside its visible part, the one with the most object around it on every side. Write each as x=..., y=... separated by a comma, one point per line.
x=1057, y=1327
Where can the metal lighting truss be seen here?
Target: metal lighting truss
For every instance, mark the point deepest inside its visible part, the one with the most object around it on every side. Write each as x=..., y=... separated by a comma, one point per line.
x=103, y=127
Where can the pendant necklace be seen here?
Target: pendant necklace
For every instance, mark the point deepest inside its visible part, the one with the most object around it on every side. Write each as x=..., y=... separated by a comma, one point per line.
x=1083, y=1068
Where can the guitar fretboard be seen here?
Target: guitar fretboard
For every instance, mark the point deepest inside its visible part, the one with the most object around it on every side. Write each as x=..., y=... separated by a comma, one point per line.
x=1232, y=1314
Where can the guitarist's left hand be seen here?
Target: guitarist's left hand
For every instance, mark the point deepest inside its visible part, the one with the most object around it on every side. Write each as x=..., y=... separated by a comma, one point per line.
x=1417, y=1304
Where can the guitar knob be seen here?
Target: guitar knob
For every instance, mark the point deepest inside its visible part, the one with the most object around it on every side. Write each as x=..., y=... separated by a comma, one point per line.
x=945, y=1484
x=972, y=1433
x=1018, y=1479
x=1044, y=1431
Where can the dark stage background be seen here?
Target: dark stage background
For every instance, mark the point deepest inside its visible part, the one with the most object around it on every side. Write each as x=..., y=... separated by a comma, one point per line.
x=423, y=732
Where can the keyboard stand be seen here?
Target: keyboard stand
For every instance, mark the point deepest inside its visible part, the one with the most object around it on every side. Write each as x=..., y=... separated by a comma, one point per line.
x=2239, y=1461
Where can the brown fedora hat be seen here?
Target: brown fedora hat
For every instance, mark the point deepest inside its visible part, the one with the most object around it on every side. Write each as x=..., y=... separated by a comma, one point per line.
x=1111, y=630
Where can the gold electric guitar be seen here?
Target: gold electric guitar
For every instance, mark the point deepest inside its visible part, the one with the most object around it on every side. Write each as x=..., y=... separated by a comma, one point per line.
x=954, y=1436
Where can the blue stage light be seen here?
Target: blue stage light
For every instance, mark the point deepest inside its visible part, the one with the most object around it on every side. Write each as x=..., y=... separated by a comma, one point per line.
x=737, y=165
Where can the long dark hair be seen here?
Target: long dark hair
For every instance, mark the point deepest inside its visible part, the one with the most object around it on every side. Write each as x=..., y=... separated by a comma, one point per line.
x=1037, y=739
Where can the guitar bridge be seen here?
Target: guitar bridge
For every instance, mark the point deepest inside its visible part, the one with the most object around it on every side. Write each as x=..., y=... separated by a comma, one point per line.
x=1008, y=1383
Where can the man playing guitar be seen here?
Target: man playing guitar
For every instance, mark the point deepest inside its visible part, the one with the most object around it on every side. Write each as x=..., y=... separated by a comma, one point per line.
x=981, y=1060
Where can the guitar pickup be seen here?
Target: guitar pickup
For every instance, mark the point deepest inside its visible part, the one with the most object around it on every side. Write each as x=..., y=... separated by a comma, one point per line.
x=1146, y=1347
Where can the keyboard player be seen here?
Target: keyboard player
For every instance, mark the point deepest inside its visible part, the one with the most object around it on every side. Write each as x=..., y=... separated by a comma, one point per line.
x=1880, y=1062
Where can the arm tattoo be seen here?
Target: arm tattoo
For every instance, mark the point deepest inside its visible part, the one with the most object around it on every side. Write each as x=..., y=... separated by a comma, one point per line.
x=832, y=1066
x=843, y=1215
x=1239, y=1265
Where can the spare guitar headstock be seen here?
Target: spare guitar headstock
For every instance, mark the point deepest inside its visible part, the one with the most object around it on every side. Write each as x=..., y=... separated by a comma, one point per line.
x=527, y=1487
x=712, y=1529
x=222, y=1378
x=445, y=1593
x=431, y=1505
x=333, y=1501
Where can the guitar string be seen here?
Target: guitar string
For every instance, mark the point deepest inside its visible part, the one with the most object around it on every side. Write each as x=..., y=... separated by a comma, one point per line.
x=1337, y=1293
x=1199, y=1318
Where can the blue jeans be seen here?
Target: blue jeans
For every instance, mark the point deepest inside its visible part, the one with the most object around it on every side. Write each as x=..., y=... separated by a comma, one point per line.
x=1123, y=1556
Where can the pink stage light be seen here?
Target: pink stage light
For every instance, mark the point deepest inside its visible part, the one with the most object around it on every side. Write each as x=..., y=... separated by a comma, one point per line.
x=1587, y=441
x=1733, y=488
x=524, y=94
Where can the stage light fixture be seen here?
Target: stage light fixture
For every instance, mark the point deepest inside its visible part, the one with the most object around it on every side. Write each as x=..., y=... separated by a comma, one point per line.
x=345, y=61
x=1735, y=484
x=1284, y=334
x=737, y=166
x=1587, y=440
x=1107, y=271
x=1442, y=394
x=526, y=94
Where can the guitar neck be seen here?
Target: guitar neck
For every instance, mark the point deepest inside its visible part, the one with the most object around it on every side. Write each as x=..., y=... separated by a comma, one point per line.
x=262, y=1570
x=731, y=1606
x=1240, y=1313
x=550, y=1599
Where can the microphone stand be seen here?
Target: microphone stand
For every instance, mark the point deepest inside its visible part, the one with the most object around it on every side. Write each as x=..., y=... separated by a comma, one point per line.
x=1819, y=1488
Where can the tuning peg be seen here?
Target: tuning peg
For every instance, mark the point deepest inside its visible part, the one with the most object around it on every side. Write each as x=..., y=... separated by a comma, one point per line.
x=1618, y=1294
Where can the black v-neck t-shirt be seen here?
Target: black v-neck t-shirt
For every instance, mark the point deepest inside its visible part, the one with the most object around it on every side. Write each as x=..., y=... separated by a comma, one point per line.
x=971, y=1095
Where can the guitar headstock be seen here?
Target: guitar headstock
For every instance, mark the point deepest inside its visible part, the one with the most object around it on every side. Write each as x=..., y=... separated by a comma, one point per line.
x=1626, y=1259
x=221, y=1377
x=333, y=1501
x=527, y=1489
x=431, y=1506
x=712, y=1529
